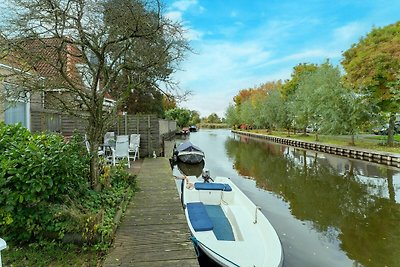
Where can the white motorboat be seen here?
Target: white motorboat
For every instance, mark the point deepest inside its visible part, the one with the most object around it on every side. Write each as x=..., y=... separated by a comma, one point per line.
x=228, y=226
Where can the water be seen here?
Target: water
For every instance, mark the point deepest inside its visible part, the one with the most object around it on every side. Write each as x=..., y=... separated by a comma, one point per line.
x=327, y=210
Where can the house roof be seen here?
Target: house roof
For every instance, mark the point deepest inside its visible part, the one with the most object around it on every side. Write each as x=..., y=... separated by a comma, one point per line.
x=46, y=56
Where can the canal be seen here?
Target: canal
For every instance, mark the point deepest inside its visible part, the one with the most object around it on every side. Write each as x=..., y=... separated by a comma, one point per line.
x=327, y=210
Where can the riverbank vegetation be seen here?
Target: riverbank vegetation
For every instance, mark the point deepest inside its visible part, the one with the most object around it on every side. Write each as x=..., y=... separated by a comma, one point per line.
x=47, y=203
x=319, y=98
x=363, y=141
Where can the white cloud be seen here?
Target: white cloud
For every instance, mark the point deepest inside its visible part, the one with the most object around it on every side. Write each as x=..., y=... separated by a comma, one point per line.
x=220, y=70
x=347, y=34
x=183, y=5
x=192, y=35
x=312, y=54
x=174, y=15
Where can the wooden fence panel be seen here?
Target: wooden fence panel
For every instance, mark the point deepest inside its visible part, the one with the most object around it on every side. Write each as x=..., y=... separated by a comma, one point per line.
x=148, y=126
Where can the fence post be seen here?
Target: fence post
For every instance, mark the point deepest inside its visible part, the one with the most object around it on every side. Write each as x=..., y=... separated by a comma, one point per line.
x=148, y=136
x=3, y=245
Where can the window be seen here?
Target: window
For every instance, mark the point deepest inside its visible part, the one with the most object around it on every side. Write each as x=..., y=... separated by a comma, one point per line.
x=16, y=106
x=16, y=112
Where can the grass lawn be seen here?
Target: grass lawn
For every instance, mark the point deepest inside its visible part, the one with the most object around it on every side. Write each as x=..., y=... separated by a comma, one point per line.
x=51, y=254
x=373, y=142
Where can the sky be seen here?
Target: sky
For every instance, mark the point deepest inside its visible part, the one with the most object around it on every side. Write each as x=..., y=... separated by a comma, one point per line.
x=240, y=44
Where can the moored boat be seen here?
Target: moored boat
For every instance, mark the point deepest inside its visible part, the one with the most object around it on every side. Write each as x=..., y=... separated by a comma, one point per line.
x=228, y=226
x=189, y=153
x=193, y=128
x=190, y=169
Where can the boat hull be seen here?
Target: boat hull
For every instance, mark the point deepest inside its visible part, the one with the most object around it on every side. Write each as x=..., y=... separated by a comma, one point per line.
x=192, y=157
x=252, y=241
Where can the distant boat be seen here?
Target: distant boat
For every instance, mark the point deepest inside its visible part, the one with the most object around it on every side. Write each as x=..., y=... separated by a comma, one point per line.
x=228, y=226
x=189, y=153
x=184, y=131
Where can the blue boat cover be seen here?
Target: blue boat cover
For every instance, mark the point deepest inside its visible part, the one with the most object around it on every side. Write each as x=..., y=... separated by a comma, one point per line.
x=198, y=217
x=212, y=186
x=188, y=146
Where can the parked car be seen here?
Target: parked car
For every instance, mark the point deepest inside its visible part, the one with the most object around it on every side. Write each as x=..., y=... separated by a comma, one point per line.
x=312, y=128
x=384, y=129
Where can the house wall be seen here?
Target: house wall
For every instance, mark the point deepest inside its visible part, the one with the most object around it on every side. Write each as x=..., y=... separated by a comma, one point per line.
x=2, y=100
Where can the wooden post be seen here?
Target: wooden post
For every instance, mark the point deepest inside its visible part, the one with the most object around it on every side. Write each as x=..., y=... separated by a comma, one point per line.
x=148, y=136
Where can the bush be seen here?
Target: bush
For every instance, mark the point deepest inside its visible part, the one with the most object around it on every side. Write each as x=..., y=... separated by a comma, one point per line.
x=36, y=171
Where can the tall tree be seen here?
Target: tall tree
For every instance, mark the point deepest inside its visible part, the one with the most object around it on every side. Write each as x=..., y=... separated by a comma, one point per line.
x=194, y=117
x=372, y=67
x=334, y=108
x=232, y=116
x=181, y=115
x=291, y=85
x=93, y=43
x=145, y=101
x=213, y=118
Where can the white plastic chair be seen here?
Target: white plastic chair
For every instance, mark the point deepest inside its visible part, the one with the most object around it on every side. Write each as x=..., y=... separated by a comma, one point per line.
x=121, y=150
x=109, y=143
x=3, y=245
x=109, y=138
x=100, y=152
x=134, y=144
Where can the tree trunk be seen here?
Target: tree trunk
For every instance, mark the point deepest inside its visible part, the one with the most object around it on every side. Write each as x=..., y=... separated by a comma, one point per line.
x=316, y=136
x=352, y=142
x=95, y=134
x=392, y=120
x=94, y=171
x=392, y=191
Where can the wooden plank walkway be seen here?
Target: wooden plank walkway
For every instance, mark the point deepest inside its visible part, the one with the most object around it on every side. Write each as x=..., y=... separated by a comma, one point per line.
x=153, y=231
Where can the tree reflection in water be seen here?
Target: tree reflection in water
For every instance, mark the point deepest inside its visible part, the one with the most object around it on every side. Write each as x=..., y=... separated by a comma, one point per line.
x=350, y=202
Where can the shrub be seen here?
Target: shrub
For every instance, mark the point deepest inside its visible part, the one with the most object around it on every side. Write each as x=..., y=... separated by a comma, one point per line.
x=36, y=171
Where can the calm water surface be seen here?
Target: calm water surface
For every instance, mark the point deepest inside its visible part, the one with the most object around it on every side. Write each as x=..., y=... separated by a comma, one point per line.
x=327, y=210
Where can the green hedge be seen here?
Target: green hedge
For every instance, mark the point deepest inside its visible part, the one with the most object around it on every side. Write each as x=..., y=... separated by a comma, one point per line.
x=37, y=172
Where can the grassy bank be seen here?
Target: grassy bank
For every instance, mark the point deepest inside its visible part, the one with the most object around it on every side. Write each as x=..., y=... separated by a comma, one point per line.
x=377, y=143
x=213, y=125
x=51, y=254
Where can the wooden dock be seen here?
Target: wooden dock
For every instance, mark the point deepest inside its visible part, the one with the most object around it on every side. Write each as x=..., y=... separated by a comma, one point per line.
x=153, y=231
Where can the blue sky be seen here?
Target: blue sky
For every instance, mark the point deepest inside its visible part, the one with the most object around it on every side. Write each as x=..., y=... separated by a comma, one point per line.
x=243, y=43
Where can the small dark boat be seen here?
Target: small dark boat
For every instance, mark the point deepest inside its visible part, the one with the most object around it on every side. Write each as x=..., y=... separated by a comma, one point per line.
x=190, y=169
x=184, y=131
x=189, y=153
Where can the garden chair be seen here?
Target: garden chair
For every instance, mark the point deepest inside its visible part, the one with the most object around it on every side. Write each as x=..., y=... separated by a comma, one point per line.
x=134, y=145
x=109, y=138
x=109, y=143
x=87, y=144
x=3, y=245
x=121, y=150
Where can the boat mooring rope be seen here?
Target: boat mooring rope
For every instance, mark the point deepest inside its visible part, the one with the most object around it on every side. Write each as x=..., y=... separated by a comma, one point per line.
x=196, y=243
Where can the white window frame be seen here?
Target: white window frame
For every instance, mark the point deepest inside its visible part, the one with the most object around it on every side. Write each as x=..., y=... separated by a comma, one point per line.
x=26, y=100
